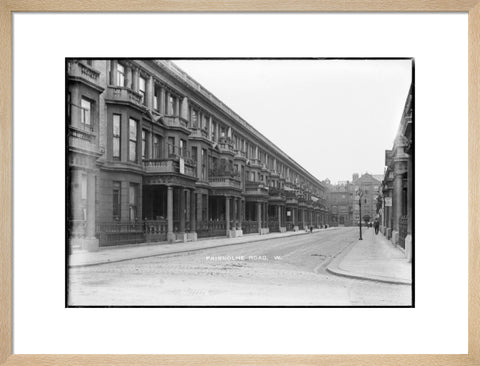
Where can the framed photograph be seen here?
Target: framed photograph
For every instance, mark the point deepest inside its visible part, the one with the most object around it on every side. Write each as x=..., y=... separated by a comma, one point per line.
x=184, y=185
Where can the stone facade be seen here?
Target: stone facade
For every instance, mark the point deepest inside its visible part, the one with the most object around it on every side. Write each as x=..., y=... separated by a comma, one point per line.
x=397, y=186
x=154, y=156
x=369, y=185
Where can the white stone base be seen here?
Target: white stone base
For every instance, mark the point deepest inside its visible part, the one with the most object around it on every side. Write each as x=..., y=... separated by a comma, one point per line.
x=235, y=233
x=181, y=237
x=283, y=229
x=395, y=237
x=192, y=236
x=264, y=230
x=295, y=228
x=388, y=233
x=171, y=237
x=408, y=248
x=88, y=244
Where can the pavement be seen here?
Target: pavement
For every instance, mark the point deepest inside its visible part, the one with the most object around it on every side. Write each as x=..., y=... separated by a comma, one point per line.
x=373, y=258
x=136, y=251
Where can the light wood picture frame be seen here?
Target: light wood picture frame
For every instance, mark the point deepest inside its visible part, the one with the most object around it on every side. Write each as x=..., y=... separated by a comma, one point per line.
x=8, y=7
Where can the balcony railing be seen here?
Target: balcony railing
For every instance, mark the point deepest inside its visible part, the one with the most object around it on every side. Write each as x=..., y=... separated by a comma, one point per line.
x=155, y=230
x=78, y=69
x=256, y=163
x=168, y=166
x=175, y=121
x=256, y=187
x=225, y=144
x=83, y=140
x=240, y=153
x=199, y=132
x=124, y=94
x=224, y=182
x=272, y=191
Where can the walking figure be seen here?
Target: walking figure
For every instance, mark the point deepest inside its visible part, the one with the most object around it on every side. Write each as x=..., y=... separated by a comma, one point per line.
x=376, y=224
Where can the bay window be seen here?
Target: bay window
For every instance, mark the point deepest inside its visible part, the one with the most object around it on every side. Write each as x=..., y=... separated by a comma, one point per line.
x=132, y=140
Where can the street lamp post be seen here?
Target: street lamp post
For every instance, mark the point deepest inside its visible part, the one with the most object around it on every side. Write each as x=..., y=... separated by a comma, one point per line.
x=360, y=195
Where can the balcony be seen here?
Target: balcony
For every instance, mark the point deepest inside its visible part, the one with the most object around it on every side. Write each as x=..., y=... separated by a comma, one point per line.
x=276, y=191
x=85, y=141
x=124, y=95
x=226, y=145
x=256, y=188
x=274, y=173
x=239, y=154
x=176, y=123
x=199, y=133
x=256, y=163
x=291, y=198
x=224, y=182
x=83, y=73
x=169, y=166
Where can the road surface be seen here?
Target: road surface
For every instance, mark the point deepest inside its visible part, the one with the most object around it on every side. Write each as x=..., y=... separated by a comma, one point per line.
x=278, y=272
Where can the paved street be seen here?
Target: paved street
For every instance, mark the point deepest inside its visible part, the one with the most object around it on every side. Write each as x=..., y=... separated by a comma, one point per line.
x=282, y=271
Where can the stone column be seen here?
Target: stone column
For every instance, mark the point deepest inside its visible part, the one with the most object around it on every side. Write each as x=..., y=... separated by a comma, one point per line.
x=112, y=71
x=241, y=212
x=177, y=107
x=410, y=194
x=170, y=234
x=279, y=210
x=235, y=213
x=168, y=107
x=182, y=210
x=128, y=77
x=91, y=242
x=193, y=218
x=149, y=93
x=209, y=124
x=184, y=109
x=199, y=162
x=199, y=207
x=135, y=80
x=162, y=101
x=397, y=200
x=259, y=216
x=227, y=214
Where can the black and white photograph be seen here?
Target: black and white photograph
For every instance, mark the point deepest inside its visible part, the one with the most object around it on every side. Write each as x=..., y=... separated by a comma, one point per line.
x=239, y=182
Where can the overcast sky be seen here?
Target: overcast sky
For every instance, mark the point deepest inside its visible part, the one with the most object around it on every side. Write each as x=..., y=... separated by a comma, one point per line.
x=334, y=117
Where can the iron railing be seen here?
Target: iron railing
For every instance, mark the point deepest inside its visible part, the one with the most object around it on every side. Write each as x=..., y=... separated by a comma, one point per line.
x=250, y=227
x=211, y=228
x=274, y=226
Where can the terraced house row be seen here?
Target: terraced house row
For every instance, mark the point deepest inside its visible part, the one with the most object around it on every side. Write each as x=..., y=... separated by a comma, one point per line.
x=154, y=156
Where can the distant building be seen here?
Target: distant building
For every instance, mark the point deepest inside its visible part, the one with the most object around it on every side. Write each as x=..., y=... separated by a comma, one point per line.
x=340, y=203
x=369, y=185
x=397, y=187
